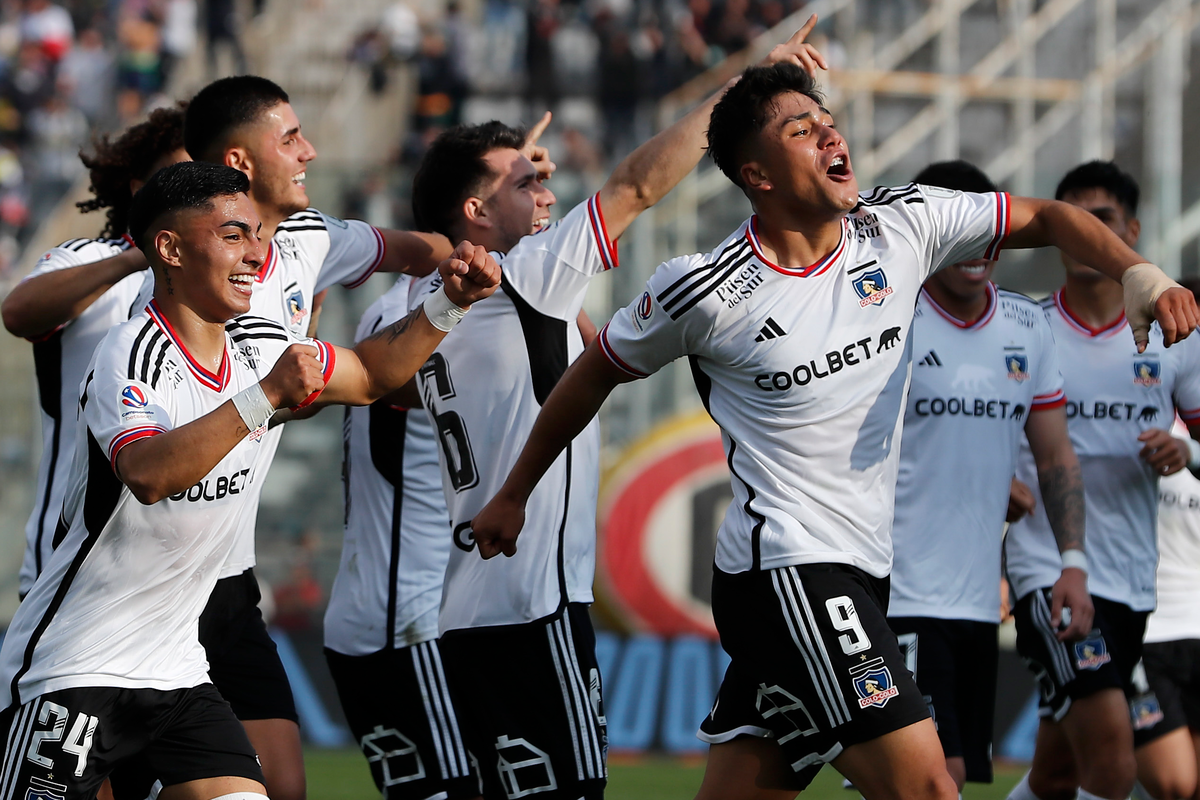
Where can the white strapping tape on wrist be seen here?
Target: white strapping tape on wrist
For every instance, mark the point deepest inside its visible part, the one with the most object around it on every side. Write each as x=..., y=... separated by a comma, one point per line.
x=1074, y=559
x=254, y=408
x=1193, y=454
x=441, y=312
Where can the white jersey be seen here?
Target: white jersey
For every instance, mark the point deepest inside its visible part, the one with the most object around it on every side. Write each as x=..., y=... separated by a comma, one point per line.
x=805, y=369
x=397, y=537
x=309, y=252
x=973, y=387
x=1178, y=613
x=60, y=359
x=1113, y=394
x=119, y=602
x=483, y=388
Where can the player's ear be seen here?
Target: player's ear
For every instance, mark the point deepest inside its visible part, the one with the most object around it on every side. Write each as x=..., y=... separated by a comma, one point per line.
x=754, y=177
x=239, y=159
x=1132, y=231
x=476, y=213
x=167, y=246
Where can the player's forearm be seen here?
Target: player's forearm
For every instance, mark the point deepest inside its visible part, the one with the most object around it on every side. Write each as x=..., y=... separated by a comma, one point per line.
x=1061, y=483
x=385, y=361
x=653, y=169
x=160, y=466
x=42, y=303
x=567, y=411
x=1079, y=234
x=413, y=252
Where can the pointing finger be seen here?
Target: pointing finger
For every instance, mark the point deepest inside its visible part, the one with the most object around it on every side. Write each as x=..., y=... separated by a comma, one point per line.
x=537, y=130
x=805, y=29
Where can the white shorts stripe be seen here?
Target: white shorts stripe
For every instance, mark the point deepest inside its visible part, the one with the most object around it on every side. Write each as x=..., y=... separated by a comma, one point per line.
x=812, y=622
x=441, y=705
x=18, y=740
x=568, y=704
x=820, y=669
x=462, y=767
x=1061, y=658
x=427, y=698
x=589, y=712
x=786, y=607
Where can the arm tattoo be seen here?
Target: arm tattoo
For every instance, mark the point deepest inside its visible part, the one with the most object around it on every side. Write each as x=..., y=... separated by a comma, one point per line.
x=1062, y=494
x=394, y=331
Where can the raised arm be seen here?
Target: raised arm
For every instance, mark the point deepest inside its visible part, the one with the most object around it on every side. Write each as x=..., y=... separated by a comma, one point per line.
x=654, y=168
x=1061, y=482
x=413, y=252
x=40, y=304
x=567, y=411
x=1149, y=293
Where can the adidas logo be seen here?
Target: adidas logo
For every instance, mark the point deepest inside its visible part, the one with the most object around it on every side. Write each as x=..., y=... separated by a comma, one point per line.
x=770, y=331
x=930, y=360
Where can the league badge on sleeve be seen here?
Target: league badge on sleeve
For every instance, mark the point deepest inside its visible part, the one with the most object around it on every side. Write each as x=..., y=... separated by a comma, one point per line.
x=133, y=397
x=1092, y=652
x=1147, y=372
x=642, y=311
x=873, y=684
x=872, y=287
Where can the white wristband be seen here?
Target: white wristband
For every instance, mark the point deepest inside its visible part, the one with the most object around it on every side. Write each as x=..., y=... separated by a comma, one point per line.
x=1193, y=454
x=253, y=407
x=441, y=312
x=1074, y=559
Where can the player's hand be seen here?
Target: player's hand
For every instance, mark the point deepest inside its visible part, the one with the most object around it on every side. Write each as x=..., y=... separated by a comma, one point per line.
x=1070, y=591
x=1162, y=451
x=296, y=376
x=1005, y=601
x=497, y=525
x=469, y=275
x=797, y=51
x=1177, y=314
x=1020, y=501
x=539, y=155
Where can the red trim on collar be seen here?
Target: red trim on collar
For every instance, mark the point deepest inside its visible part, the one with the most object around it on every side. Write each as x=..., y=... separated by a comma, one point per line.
x=1060, y=302
x=268, y=265
x=216, y=381
x=810, y=271
x=974, y=325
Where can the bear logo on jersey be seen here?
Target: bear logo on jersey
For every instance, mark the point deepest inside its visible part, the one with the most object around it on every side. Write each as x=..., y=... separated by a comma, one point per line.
x=1092, y=652
x=1018, y=366
x=873, y=684
x=872, y=287
x=1146, y=372
x=643, y=311
x=133, y=397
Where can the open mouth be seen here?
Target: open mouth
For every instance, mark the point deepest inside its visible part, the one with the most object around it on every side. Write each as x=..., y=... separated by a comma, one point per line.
x=242, y=282
x=299, y=179
x=540, y=224
x=839, y=167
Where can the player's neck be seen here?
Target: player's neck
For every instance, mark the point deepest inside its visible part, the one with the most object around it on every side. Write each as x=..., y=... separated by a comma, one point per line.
x=964, y=309
x=790, y=242
x=270, y=215
x=1096, y=303
x=204, y=340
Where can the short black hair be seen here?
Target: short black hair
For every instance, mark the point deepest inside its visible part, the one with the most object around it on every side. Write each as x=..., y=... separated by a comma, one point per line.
x=189, y=184
x=747, y=106
x=962, y=176
x=453, y=169
x=224, y=106
x=1104, y=175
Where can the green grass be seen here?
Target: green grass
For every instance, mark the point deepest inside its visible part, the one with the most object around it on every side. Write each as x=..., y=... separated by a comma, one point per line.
x=342, y=775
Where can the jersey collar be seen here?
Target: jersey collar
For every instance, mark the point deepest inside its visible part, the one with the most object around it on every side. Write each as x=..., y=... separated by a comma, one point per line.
x=268, y=264
x=810, y=271
x=218, y=381
x=1060, y=302
x=984, y=318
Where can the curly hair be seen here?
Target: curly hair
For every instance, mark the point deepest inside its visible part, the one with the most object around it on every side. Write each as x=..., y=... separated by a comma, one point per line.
x=115, y=162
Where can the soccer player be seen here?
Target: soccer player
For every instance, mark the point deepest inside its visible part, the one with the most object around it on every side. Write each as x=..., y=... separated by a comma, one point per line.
x=102, y=662
x=539, y=726
x=797, y=328
x=1120, y=404
x=69, y=301
x=1166, y=716
x=984, y=370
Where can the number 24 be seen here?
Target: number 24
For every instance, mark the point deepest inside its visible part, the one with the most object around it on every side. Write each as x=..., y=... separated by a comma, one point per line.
x=78, y=743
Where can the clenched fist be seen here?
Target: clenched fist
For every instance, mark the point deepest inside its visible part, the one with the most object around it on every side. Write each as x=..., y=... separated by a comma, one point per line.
x=469, y=275
x=296, y=376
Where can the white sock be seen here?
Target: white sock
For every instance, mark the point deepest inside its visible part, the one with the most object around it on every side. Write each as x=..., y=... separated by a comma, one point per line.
x=1022, y=791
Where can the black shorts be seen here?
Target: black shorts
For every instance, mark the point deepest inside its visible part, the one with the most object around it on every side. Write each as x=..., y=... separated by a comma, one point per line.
x=1172, y=699
x=409, y=732
x=62, y=745
x=529, y=703
x=1068, y=671
x=243, y=662
x=813, y=665
x=954, y=663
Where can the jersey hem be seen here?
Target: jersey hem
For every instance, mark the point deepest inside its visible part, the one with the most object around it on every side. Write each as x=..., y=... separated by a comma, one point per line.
x=940, y=612
x=779, y=562
x=28, y=691
x=616, y=360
